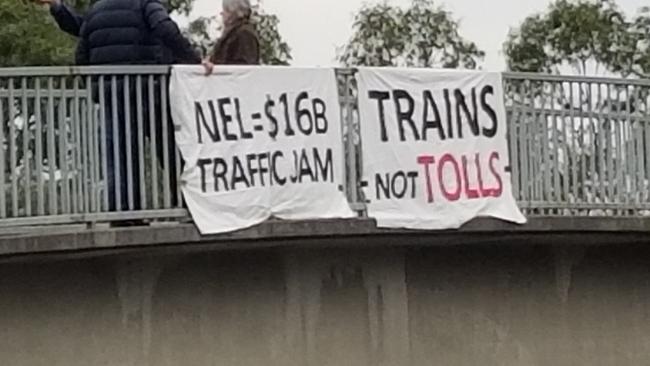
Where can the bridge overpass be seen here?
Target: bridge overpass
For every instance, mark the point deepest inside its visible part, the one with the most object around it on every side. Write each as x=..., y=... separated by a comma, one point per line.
x=570, y=287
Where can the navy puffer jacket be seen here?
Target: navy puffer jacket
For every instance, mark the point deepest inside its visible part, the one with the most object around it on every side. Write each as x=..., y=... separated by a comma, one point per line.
x=119, y=32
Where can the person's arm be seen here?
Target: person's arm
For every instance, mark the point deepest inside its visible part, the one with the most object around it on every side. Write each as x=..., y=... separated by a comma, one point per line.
x=66, y=18
x=82, y=56
x=164, y=28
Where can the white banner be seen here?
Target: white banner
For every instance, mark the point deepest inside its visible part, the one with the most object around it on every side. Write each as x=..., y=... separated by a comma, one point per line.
x=435, y=154
x=258, y=142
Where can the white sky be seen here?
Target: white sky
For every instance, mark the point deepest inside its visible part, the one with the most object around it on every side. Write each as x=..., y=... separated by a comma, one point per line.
x=315, y=28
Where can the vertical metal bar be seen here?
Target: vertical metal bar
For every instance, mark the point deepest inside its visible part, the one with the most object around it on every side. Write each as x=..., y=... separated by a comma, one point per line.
x=39, y=149
x=167, y=169
x=566, y=186
x=574, y=146
x=97, y=151
x=610, y=156
x=13, y=150
x=116, y=148
x=91, y=134
x=3, y=192
x=646, y=152
x=621, y=189
x=639, y=158
x=141, y=146
x=557, y=188
x=102, y=140
x=583, y=189
x=27, y=179
x=51, y=149
x=77, y=192
x=153, y=144
x=525, y=152
x=178, y=172
x=129, y=147
x=511, y=125
x=602, y=139
x=593, y=135
x=629, y=143
x=545, y=157
x=85, y=165
x=64, y=155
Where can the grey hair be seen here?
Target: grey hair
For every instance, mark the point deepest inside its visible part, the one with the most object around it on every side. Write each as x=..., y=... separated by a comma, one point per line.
x=240, y=8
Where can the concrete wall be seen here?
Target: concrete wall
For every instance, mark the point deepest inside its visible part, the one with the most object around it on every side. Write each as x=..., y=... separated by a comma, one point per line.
x=481, y=305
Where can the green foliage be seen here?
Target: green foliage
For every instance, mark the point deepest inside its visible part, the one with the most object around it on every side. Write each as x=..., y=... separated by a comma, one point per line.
x=30, y=37
x=421, y=36
x=203, y=32
x=589, y=36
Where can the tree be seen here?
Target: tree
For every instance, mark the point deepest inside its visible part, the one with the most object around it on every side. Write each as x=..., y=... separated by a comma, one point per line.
x=422, y=35
x=585, y=125
x=204, y=32
x=590, y=37
x=29, y=36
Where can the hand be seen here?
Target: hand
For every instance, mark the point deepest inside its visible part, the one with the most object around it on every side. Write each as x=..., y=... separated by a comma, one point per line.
x=209, y=66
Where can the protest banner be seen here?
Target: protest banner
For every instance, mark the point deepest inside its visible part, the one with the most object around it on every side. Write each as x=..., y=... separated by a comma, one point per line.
x=434, y=148
x=258, y=142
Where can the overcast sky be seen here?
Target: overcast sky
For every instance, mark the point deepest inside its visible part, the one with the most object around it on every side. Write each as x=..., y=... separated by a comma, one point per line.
x=315, y=28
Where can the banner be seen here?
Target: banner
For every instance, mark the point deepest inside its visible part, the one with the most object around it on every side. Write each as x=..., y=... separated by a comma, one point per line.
x=258, y=142
x=434, y=148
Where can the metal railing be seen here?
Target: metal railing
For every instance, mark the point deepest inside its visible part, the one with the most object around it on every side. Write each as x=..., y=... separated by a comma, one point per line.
x=579, y=146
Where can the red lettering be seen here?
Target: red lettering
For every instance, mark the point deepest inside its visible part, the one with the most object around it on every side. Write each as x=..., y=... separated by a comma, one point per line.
x=426, y=161
x=484, y=192
x=495, y=192
x=450, y=196
x=471, y=193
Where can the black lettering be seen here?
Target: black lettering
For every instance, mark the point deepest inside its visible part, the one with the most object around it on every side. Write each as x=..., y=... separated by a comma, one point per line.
x=320, y=119
x=268, y=110
x=405, y=115
x=226, y=118
x=296, y=169
x=487, y=108
x=245, y=135
x=399, y=178
x=202, y=123
x=201, y=164
x=263, y=168
x=219, y=173
x=413, y=176
x=305, y=167
x=252, y=170
x=304, y=115
x=381, y=98
x=461, y=106
x=382, y=186
x=238, y=175
x=274, y=168
x=287, y=118
x=434, y=123
x=325, y=169
x=450, y=125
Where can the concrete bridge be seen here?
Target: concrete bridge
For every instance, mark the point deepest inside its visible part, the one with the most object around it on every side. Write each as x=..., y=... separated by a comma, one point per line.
x=571, y=287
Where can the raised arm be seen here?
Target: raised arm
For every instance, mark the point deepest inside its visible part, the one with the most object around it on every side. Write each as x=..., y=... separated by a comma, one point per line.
x=66, y=17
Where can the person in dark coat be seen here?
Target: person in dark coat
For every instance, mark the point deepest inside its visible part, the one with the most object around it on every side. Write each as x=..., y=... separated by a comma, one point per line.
x=69, y=21
x=239, y=43
x=130, y=32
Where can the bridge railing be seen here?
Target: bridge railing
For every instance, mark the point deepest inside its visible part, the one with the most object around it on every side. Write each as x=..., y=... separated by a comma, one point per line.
x=578, y=146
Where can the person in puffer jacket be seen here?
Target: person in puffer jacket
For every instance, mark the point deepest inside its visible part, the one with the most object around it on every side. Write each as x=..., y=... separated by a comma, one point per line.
x=130, y=32
x=69, y=21
x=118, y=32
